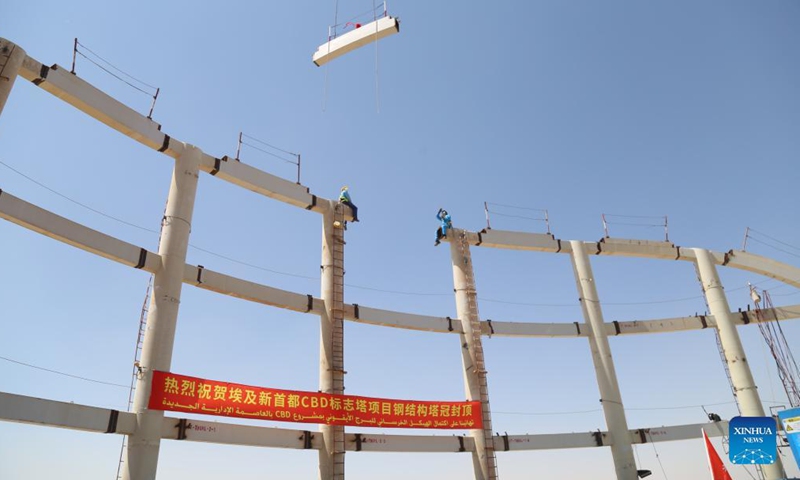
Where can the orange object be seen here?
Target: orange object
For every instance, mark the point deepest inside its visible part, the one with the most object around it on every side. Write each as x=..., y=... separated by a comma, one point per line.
x=181, y=393
x=718, y=470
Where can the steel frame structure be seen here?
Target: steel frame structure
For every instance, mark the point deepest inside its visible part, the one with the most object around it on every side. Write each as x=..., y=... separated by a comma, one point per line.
x=146, y=428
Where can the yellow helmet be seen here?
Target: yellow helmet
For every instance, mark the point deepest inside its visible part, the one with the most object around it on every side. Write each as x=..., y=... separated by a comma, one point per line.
x=344, y=188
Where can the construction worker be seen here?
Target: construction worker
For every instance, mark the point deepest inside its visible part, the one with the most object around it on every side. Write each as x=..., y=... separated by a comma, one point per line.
x=344, y=197
x=441, y=232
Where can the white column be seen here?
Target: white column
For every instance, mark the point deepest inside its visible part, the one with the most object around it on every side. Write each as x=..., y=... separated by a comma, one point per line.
x=327, y=383
x=743, y=383
x=610, y=396
x=141, y=459
x=11, y=57
x=461, y=263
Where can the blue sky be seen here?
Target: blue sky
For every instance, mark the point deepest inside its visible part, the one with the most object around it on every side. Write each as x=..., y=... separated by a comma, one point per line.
x=581, y=108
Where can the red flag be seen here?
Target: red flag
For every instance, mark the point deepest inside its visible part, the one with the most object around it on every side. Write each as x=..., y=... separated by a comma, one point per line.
x=718, y=470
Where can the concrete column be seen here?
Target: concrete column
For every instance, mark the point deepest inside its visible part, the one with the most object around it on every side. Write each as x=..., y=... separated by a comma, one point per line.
x=462, y=266
x=327, y=379
x=141, y=457
x=743, y=384
x=11, y=57
x=610, y=396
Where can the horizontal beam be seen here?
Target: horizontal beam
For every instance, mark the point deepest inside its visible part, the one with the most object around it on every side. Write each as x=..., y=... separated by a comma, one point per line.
x=97, y=104
x=539, y=242
x=51, y=413
x=356, y=38
x=54, y=226
x=47, y=223
x=90, y=100
x=245, y=435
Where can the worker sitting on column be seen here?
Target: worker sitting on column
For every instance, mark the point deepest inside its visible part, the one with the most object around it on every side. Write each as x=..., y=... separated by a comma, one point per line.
x=447, y=223
x=344, y=198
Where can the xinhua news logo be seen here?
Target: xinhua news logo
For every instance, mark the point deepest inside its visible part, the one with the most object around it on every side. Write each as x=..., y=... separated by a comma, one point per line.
x=753, y=440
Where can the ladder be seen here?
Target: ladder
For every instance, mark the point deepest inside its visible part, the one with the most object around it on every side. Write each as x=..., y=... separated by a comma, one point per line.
x=337, y=332
x=137, y=355
x=720, y=348
x=476, y=354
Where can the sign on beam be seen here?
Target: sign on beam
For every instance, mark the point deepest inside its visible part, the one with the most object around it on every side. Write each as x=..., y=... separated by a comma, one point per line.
x=180, y=393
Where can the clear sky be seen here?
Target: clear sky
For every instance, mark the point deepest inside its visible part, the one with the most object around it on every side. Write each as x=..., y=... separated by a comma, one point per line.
x=686, y=109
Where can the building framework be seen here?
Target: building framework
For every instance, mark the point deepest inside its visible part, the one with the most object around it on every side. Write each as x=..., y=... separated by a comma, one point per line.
x=146, y=428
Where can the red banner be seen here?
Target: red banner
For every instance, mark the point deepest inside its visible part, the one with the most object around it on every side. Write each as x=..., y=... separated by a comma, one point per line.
x=180, y=393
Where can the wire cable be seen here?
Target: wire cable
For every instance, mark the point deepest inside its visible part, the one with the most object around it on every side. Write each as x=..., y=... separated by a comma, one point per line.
x=63, y=373
x=112, y=66
x=77, y=202
x=270, y=146
x=362, y=287
x=658, y=457
x=268, y=153
x=774, y=247
x=514, y=206
x=774, y=239
x=114, y=75
x=518, y=216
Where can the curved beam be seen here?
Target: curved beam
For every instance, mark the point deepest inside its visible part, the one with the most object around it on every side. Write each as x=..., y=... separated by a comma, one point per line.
x=94, y=102
x=51, y=413
x=59, y=228
x=54, y=226
x=539, y=242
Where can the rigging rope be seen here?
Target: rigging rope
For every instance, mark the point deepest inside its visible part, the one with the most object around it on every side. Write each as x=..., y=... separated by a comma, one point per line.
x=112, y=66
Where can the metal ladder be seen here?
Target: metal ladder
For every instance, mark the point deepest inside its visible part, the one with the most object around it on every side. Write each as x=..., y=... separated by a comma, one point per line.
x=337, y=332
x=137, y=355
x=477, y=353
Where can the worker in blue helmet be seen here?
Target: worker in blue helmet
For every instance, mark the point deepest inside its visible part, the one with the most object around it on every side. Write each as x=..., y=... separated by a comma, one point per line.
x=447, y=223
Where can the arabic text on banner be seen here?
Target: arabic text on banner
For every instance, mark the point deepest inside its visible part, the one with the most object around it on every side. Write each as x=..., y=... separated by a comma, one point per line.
x=181, y=393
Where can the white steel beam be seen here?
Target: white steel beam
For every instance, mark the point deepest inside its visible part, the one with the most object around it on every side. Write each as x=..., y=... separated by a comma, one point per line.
x=141, y=454
x=51, y=413
x=54, y=226
x=744, y=387
x=58, y=81
x=11, y=58
x=94, y=102
x=59, y=228
x=356, y=38
x=245, y=435
x=539, y=242
x=472, y=360
x=610, y=396
x=254, y=292
x=331, y=461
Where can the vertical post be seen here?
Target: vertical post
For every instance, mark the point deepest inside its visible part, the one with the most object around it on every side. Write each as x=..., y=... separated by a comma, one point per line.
x=610, y=396
x=153, y=105
x=239, y=147
x=331, y=461
x=666, y=228
x=744, y=242
x=159, y=338
x=470, y=346
x=744, y=386
x=11, y=57
x=298, y=169
x=547, y=221
x=486, y=212
x=605, y=225
x=74, y=55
